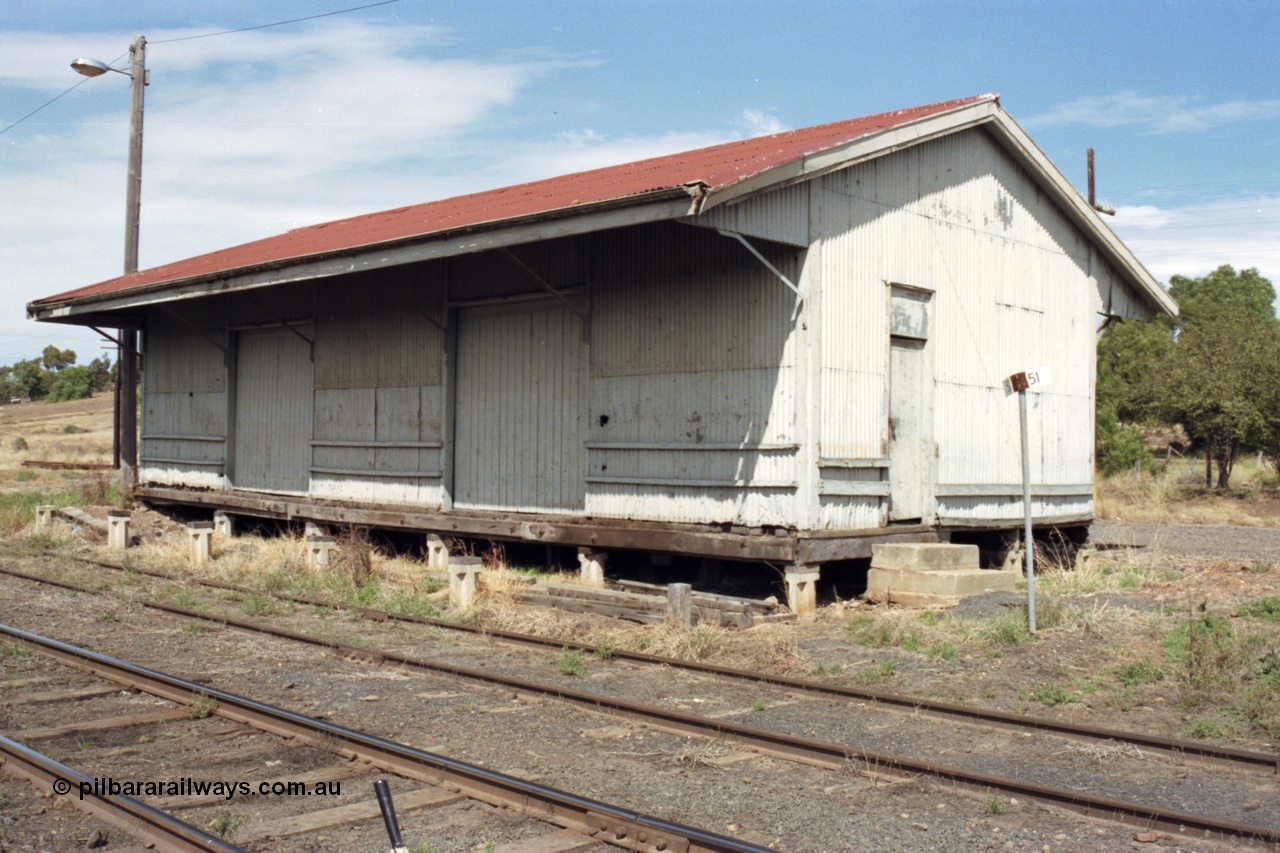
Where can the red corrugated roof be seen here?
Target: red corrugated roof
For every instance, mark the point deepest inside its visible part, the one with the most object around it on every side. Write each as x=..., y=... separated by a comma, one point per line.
x=718, y=166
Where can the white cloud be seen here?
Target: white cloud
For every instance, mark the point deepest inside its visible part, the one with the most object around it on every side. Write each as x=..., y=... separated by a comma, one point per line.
x=1155, y=114
x=1195, y=240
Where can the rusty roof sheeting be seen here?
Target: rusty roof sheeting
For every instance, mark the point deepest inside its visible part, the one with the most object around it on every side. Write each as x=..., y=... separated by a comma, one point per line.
x=716, y=167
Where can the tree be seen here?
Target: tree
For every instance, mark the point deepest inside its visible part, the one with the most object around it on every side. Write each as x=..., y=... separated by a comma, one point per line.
x=103, y=373
x=1219, y=378
x=72, y=383
x=57, y=359
x=28, y=379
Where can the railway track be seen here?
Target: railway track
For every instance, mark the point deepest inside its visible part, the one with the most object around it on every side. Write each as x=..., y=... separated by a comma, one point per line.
x=1181, y=748
x=829, y=755
x=583, y=823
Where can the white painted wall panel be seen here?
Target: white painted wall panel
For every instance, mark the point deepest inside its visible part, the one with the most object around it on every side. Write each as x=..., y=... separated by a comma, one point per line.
x=1015, y=288
x=780, y=215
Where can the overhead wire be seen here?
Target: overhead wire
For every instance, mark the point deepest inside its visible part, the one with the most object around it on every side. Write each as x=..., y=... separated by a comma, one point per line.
x=9, y=127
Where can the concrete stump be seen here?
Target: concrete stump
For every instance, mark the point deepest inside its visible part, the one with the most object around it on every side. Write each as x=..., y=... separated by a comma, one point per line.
x=437, y=554
x=464, y=580
x=1085, y=558
x=200, y=538
x=932, y=575
x=802, y=590
x=320, y=550
x=591, y=565
x=44, y=516
x=313, y=529
x=118, y=529
x=223, y=525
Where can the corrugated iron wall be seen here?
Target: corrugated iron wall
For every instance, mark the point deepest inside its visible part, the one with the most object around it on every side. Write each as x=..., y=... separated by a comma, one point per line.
x=273, y=410
x=1014, y=288
x=184, y=411
x=692, y=399
x=379, y=387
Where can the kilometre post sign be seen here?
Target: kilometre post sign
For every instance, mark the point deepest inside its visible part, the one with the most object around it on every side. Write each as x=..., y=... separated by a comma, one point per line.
x=1030, y=380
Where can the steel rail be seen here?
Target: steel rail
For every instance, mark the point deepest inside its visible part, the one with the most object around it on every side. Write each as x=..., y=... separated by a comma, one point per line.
x=825, y=754
x=1173, y=746
x=140, y=820
x=607, y=824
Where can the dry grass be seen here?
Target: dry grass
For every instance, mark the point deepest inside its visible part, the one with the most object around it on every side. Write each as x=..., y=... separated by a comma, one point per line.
x=1177, y=496
x=77, y=431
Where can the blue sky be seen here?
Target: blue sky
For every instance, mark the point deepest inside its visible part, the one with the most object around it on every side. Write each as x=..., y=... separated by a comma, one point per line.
x=253, y=133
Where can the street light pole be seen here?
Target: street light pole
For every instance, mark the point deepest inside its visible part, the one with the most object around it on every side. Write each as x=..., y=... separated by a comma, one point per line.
x=133, y=213
x=127, y=362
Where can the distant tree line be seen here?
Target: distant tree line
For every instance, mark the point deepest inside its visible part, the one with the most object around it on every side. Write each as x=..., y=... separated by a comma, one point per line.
x=55, y=377
x=1214, y=369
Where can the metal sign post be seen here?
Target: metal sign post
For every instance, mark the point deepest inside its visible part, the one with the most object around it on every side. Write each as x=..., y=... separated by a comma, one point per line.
x=1022, y=382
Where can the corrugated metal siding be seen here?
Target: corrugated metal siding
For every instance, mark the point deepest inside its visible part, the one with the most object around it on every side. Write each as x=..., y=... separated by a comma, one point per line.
x=379, y=387
x=273, y=411
x=781, y=215
x=519, y=417
x=184, y=411
x=692, y=349
x=1014, y=290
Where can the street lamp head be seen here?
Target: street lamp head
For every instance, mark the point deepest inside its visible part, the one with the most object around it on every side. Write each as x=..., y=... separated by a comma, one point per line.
x=90, y=67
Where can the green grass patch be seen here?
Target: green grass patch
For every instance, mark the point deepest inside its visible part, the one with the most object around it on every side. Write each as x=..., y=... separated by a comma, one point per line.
x=1262, y=608
x=1050, y=693
x=944, y=650
x=1138, y=672
x=1008, y=628
x=878, y=673
x=571, y=663
x=826, y=670
x=257, y=604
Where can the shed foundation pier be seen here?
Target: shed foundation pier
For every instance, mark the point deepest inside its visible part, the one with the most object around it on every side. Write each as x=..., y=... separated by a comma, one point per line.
x=44, y=516
x=223, y=525
x=320, y=550
x=437, y=554
x=118, y=529
x=591, y=565
x=200, y=540
x=802, y=590
x=464, y=580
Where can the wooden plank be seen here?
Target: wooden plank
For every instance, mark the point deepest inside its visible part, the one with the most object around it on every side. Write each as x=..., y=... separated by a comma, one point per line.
x=707, y=599
x=58, y=695
x=343, y=815
x=563, y=841
x=310, y=777
x=608, y=596
x=575, y=605
x=51, y=732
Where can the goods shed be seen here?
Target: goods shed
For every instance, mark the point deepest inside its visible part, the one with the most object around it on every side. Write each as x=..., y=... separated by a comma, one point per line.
x=784, y=348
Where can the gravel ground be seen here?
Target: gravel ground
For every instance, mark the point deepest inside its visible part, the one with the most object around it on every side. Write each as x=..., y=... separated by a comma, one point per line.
x=783, y=805
x=1211, y=542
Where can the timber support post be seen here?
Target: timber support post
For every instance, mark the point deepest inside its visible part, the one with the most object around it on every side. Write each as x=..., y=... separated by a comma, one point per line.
x=679, y=605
